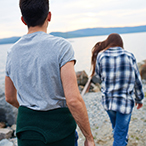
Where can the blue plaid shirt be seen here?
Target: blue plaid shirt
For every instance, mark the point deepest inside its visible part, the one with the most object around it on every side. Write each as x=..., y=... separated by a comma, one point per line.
x=120, y=78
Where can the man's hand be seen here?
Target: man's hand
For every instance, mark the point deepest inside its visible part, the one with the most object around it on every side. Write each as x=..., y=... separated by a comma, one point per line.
x=89, y=143
x=139, y=105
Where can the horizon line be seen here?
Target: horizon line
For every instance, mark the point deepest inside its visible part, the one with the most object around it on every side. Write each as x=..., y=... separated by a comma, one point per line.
x=82, y=29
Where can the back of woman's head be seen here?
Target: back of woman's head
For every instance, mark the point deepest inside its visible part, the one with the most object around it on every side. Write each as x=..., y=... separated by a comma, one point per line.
x=113, y=40
x=34, y=12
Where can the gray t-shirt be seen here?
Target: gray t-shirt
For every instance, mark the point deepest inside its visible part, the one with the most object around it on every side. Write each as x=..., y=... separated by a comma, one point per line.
x=33, y=64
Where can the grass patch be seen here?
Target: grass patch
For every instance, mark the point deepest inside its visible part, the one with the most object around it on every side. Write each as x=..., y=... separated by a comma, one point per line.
x=133, y=119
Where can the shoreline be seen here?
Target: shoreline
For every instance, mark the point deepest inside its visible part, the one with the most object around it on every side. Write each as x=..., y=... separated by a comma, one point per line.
x=101, y=126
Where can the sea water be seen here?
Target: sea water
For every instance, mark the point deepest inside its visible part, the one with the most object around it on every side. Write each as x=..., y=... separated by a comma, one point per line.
x=133, y=42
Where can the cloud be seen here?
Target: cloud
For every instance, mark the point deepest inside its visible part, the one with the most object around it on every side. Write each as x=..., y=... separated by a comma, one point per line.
x=70, y=15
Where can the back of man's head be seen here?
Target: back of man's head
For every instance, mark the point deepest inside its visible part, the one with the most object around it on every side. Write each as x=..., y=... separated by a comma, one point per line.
x=34, y=12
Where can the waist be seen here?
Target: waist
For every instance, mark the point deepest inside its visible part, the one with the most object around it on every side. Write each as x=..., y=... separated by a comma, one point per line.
x=53, y=124
x=42, y=104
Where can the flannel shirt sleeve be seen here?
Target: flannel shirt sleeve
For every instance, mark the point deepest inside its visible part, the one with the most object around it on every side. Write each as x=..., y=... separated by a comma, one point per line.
x=97, y=69
x=139, y=95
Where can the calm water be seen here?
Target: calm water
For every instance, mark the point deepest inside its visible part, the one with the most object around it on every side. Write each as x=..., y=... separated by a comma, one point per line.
x=3, y=54
x=134, y=42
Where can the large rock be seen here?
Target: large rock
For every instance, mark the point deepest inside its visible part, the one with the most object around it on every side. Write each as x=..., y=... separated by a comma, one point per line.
x=82, y=77
x=95, y=79
x=5, y=133
x=1, y=92
x=6, y=142
x=8, y=113
x=2, y=124
x=94, y=88
x=142, y=69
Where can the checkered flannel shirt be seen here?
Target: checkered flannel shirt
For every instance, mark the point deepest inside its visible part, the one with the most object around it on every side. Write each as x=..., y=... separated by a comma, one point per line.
x=120, y=78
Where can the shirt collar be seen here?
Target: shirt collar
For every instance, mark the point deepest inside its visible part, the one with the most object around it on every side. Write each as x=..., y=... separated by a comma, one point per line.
x=115, y=48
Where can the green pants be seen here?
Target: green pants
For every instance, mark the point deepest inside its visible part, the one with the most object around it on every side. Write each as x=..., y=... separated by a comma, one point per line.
x=68, y=141
x=45, y=128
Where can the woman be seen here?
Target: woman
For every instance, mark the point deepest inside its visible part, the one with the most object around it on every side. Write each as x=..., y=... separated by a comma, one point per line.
x=119, y=75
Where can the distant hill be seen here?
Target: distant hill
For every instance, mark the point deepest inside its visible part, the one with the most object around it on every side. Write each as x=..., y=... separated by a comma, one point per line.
x=86, y=32
x=99, y=31
x=9, y=40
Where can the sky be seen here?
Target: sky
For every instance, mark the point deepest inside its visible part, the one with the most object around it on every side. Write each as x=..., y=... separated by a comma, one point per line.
x=69, y=15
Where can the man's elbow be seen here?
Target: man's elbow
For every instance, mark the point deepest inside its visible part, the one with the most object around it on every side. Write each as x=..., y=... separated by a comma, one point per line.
x=74, y=101
x=9, y=100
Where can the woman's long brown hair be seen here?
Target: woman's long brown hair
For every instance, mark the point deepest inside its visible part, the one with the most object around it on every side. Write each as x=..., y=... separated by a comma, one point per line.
x=113, y=40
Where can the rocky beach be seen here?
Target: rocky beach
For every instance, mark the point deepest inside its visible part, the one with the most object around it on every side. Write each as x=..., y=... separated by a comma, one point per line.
x=99, y=120
x=101, y=126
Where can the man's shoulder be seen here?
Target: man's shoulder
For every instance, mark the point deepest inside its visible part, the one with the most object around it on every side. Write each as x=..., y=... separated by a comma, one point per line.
x=60, y=40
x=57, y=44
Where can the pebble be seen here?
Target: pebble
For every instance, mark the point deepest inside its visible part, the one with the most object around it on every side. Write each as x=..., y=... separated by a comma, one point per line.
x=6, y=142
x=101, y=126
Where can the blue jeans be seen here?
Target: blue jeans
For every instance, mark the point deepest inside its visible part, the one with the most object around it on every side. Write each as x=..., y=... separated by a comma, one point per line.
x=120, y=124
x=76, y=138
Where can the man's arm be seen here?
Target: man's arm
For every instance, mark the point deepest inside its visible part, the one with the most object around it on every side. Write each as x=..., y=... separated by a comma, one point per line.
x=75, y=102
x=10, y=92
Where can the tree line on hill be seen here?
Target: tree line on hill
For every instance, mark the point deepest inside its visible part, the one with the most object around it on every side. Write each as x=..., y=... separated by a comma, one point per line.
x=86, y=33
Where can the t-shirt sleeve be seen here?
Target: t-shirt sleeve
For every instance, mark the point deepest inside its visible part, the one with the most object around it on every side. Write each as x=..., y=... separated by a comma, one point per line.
x=97, y=66
x=7, y=67
x=66, y=54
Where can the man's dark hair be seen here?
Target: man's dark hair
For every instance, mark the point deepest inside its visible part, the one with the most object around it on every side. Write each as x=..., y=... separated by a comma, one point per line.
x=34, y=12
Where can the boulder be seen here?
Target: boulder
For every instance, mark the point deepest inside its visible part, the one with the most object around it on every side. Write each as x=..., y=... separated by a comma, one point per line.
x=81, y=88
x=5, y=133
x=95, y=79
x=1, y=92
x=2, y=124
x=14, y=141
x=94, y=88
x=13, y=127
x=142, y=69
x=8, y=113
x=82, y=77
x=6, y=142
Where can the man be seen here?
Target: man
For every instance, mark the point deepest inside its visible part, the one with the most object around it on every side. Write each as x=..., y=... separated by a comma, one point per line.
x=41, y=82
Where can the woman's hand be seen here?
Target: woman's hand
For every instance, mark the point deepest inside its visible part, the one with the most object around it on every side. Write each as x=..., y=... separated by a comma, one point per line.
x=139, y=105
